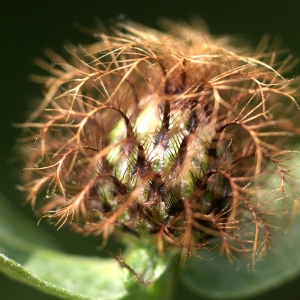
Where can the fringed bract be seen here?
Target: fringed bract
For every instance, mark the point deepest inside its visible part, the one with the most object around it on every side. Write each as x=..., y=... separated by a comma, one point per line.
x=175, y=135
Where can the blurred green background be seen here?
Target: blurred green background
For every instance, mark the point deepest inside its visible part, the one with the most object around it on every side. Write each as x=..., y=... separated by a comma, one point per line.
x=28, y=27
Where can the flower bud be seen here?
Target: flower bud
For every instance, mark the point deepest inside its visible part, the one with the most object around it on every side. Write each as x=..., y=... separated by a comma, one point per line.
x=176, y=135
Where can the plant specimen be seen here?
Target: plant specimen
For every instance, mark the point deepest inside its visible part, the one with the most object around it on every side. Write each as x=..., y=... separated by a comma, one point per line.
x=178, y=138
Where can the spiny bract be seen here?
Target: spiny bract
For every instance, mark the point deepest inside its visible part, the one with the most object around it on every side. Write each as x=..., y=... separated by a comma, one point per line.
x=178, y=136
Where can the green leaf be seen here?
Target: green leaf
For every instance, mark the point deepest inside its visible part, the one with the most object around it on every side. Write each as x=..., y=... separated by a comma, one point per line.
x=220, y=279
x=68, y=277
x=28, y=255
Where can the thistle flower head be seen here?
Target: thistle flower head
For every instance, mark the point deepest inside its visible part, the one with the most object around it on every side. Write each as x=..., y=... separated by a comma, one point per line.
x=178, y=136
